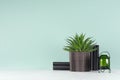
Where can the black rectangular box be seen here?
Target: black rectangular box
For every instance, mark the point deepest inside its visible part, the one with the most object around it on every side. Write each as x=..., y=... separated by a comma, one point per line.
x=61, y=66
x=95, y=58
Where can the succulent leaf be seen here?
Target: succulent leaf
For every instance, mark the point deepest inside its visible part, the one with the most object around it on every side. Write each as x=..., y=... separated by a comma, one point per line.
x=79, y=43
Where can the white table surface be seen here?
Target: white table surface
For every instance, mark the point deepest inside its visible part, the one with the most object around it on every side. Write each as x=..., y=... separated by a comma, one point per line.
x=58, y=75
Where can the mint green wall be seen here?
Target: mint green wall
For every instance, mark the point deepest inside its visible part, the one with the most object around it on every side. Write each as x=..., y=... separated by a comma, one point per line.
x=33, y=32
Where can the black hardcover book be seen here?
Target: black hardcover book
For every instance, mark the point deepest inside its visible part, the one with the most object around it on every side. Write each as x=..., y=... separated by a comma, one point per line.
x=61, y=67
x=94, y=58
x=61, y=64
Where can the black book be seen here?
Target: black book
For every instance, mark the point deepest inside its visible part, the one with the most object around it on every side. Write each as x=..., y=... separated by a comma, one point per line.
x=94, y=58
x=61, y=64
x=61, y=67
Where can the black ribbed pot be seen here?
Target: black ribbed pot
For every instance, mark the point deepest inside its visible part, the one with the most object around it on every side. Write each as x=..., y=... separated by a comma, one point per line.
x=80, y=61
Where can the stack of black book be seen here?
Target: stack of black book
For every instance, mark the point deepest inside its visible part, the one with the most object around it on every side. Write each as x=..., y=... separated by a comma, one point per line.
x=61, y=66
x=95, y=58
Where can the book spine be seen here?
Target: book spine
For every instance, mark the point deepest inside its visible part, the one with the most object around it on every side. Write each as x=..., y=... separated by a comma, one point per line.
x=61, y=64
x=61, y=68
x=94, y=58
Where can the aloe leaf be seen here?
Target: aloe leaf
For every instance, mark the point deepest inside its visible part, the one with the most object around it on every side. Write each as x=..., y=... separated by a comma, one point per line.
x=79, y=43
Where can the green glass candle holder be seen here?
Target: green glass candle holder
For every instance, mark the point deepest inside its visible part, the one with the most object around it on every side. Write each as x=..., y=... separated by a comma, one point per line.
x=104, y=61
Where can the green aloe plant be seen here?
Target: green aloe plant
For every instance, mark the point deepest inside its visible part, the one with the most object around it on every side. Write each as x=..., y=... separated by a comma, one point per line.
x=79, y=43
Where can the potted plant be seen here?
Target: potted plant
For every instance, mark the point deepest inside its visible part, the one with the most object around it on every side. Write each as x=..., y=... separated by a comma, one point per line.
x=79, y=48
